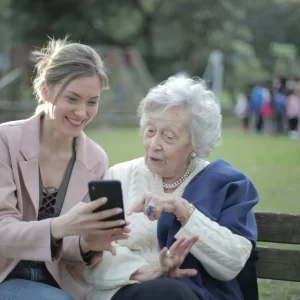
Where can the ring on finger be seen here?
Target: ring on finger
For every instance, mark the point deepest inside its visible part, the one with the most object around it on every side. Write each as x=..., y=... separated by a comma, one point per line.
x=150, y=210
x=169, y=255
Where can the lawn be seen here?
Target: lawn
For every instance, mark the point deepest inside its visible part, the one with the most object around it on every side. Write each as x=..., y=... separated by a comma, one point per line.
x=272, y=163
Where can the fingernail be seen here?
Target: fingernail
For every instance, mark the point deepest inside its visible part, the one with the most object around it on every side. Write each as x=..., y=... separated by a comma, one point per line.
x=119, y=210
x=122, y=222
x=103, y=200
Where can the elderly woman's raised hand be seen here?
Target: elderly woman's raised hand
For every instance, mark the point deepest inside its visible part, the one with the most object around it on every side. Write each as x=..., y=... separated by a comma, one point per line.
x=170, y=262
x=152, y=205
x=172, y=259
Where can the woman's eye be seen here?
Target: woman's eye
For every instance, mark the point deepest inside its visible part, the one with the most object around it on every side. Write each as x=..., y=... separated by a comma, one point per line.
x=169, y=136
x=72, y=99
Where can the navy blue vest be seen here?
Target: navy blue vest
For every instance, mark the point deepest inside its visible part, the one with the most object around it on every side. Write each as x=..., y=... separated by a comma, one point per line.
x=226, y=196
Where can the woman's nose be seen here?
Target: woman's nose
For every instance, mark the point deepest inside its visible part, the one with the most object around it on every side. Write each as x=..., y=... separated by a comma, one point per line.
x=155, y=144
x=81, y=111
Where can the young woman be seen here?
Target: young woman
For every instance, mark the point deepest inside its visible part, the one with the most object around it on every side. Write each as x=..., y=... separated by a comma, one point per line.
x=48, y=230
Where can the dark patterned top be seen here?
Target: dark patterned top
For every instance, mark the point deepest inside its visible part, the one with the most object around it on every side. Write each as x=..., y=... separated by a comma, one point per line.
x=51, y=198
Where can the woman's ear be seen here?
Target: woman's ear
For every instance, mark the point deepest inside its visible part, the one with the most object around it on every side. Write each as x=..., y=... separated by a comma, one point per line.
x=45, y=93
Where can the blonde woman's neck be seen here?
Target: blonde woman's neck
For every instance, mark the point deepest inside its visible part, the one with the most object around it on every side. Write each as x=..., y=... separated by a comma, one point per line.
x=51, y=139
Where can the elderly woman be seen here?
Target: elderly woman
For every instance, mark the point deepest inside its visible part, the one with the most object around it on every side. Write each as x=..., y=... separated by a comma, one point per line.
x=172, y=193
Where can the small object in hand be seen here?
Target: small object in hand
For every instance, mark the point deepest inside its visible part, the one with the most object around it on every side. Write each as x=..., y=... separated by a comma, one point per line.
x=150, y=210
x=169, y=255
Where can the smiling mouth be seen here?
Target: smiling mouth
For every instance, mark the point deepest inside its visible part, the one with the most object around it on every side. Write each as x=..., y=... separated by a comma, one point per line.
x=74, y=122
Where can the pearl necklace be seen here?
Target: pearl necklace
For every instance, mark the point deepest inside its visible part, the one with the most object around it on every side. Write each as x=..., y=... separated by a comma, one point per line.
x=188, y=172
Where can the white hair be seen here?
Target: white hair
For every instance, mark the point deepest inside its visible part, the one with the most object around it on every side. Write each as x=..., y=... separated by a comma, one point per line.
x=205, y=124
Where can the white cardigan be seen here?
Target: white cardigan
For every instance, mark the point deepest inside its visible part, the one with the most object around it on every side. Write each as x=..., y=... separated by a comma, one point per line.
x=222, y=253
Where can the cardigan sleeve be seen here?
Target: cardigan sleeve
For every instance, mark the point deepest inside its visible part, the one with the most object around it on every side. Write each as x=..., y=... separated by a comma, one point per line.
x=225, y=243
x=221, y=252
x=114, y=271
x=71, y=250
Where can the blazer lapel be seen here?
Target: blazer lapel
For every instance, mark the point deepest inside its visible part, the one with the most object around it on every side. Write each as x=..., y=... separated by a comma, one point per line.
x=29, y=170
x=29, y=167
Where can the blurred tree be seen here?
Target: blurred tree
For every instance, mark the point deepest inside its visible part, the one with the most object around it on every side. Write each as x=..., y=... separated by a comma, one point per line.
x=274, y=21
x=85, y=20
x=173, y=36
x=4, y=26
x=152, y=25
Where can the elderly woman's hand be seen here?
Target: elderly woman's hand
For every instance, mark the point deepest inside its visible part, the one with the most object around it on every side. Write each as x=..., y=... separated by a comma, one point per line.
x=170, y=261
x=154, y=204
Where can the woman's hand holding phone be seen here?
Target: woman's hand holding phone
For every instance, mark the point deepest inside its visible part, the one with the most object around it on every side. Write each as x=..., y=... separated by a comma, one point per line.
x=97, y=234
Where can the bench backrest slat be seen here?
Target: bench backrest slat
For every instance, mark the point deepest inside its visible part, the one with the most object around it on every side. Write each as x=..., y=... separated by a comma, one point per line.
x=280, y=264
x=274, y=263
x=278, y=228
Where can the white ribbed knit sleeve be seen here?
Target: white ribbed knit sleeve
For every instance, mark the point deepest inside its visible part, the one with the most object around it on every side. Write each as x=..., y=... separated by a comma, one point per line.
x=114, y=271
x=222, y=253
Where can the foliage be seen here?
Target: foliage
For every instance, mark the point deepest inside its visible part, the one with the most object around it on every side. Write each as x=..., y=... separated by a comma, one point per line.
x=173, y=35
x=4, y=28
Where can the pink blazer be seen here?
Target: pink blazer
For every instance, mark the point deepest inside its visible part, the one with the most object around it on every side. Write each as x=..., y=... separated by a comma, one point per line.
x=22, y=237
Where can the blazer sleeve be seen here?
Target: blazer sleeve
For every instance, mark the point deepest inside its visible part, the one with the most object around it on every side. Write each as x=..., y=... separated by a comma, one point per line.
x=71, y=252
x=19, y=239
x=71, y=249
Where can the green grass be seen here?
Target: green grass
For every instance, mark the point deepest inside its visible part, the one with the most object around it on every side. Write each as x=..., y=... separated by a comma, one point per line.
x=272, y=163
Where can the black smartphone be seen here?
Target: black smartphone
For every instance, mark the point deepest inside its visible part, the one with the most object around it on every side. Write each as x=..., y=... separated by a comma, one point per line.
x=112, y=190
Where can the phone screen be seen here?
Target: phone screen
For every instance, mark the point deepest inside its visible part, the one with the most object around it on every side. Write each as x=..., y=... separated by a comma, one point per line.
x=112, y=190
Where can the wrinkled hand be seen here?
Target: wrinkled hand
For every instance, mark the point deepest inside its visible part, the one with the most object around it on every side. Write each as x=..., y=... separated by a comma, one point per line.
x=178, y=251
x=169, y=266
x=162, y=202
x=147, y=272
x=81, y=220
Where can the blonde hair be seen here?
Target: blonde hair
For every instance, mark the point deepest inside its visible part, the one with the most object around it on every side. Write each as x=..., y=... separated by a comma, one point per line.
x=62, y=61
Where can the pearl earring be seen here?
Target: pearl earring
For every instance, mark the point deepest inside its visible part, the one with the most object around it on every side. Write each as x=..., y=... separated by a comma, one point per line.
x=193, y=155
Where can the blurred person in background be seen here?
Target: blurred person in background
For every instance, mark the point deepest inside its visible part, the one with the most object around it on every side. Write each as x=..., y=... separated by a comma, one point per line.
x=173, y=192
x=243, y=110
x=279, y=103
x=257, y=97
x=293, y=110
x=267, y=112
x=48, y=230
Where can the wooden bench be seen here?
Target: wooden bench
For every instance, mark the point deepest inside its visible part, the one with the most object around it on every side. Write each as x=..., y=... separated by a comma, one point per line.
x=276, y=263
